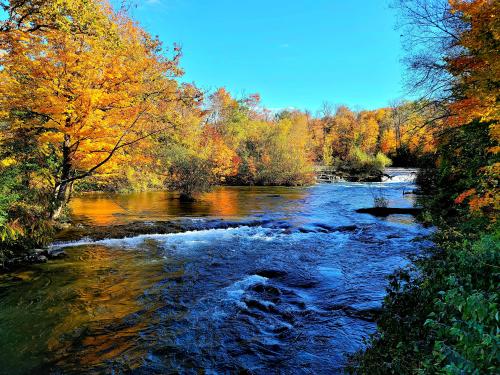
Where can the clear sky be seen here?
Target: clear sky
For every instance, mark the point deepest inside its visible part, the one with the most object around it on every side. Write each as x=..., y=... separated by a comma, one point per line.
x=295, y=53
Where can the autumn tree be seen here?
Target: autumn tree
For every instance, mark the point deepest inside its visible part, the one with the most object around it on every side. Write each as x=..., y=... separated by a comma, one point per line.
x=476, y=81
x=454, y=59
x=369, y=129
x=285, y=156
x=340, y=134
x=29, y=16
x=406, y=131
x=88, y=96
x=257, y=148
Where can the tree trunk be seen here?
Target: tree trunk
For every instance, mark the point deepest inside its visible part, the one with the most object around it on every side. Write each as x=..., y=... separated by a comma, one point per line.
x=62, y=191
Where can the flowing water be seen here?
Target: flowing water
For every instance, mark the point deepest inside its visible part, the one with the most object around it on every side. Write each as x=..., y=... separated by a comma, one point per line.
x=262, y=280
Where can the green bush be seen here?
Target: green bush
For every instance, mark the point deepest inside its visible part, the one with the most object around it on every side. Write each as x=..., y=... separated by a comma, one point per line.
x=382, y=161
x=190, y=175
x=465, y=317
x=359, y=160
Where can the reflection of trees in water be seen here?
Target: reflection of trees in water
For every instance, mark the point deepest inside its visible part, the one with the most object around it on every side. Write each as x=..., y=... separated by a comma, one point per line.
x=100, y=210
x=224, y=202
x=104, y=293
x=106, y=209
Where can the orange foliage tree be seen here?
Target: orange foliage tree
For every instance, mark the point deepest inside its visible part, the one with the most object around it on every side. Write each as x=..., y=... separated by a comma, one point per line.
x=476, y=73
x=89, y=95
x=477, y=68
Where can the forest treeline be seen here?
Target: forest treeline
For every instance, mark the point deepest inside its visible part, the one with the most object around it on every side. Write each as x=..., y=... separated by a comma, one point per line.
x=90, y=101
x=238, y=142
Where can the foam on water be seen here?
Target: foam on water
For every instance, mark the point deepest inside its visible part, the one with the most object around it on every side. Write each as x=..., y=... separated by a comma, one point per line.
x=192, y=237
x=397, y=175
x=237, y=289
x=409, y=178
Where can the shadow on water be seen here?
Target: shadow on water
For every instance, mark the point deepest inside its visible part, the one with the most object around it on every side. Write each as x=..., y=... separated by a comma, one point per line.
x=293, y=283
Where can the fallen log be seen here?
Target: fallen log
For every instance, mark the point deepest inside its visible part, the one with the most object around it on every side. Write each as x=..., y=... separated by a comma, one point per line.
x=386, y=211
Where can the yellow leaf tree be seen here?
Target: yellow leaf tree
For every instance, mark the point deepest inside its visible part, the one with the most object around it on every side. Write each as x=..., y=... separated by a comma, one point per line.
x=90, y=95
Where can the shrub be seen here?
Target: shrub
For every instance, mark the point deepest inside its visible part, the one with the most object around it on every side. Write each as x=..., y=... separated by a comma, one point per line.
x=380, y=202
x=382, y=161
x=190, y=175
x=24, y=223
x=360, y=160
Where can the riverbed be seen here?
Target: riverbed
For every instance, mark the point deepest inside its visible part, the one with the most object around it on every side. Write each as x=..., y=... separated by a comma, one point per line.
x=255, y=280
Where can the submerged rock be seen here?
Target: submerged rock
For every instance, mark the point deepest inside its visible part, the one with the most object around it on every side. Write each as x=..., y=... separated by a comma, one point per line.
x=57, y=254
x=347, y=228
x=369, y=314
x=77, y=232
x=137, y=228
x=267, y=290
x=34, y=258
x=325, y=228
x=31, y=257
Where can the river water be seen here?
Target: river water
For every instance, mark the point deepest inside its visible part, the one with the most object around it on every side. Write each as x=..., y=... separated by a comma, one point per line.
x=262, y=280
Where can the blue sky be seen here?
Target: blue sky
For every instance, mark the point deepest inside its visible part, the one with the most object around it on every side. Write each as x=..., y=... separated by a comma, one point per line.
x=295, y=53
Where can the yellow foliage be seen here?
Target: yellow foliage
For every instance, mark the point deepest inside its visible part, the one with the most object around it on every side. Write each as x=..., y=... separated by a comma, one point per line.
x=91, y=93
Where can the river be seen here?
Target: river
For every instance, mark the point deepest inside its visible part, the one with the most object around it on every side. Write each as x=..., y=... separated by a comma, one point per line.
x=261, y=280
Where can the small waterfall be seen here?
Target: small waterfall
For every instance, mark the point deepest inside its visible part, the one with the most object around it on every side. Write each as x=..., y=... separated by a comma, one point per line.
x=400, y=175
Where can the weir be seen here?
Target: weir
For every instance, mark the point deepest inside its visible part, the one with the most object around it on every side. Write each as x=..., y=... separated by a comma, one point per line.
x=326, y=174
x=329, y=174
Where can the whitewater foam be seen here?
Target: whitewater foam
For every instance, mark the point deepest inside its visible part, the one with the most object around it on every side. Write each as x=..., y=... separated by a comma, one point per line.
x=193, y=237
x=396, y=175
x=237, y=289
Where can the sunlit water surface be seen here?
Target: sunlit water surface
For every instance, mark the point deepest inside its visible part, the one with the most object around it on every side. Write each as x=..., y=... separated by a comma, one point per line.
x=290, y=287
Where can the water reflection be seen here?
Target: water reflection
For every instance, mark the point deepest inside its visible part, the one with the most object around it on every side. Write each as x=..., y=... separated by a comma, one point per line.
x=226, y=202
x=80, y=309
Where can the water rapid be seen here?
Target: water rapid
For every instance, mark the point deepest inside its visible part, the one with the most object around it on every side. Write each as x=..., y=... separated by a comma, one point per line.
x=255, y=280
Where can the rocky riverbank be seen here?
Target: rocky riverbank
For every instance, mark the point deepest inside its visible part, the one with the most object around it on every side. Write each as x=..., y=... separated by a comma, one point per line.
x=31, y=257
